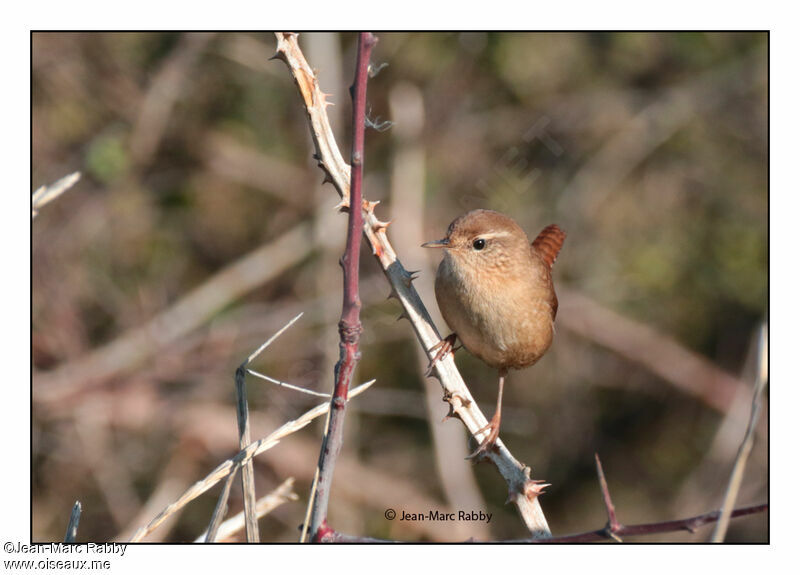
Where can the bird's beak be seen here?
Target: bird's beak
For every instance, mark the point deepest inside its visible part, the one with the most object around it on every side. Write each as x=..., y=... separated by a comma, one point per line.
x=437, y=244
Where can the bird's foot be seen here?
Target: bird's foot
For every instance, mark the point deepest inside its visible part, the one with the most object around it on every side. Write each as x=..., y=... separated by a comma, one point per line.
x=442, y=348
x=489, y=442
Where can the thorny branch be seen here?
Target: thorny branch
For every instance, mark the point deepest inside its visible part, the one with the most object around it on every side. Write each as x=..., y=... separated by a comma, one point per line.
x=688, y=524
x=616, y=530
x=521, y=490
x=613, y=529
x=350, y=323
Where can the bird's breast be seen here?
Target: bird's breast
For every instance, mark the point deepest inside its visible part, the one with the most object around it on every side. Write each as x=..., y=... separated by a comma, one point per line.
x=503, y=318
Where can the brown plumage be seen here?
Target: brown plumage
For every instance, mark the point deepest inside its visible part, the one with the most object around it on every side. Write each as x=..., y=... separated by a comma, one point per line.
x=495, y=291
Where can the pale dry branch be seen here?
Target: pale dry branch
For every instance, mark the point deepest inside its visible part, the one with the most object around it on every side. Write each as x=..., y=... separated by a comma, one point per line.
x=721, y=450
x=655, y=124
x=46, y=194
x=327, y=151
x=224, y=468
x=272, y=338
x=287, y=385
x=517, y=476
x=229, y=159
x=688, y=371
x=221, y=507
x=735, y=481
x=264, y=506
x=248, y=476
x=357, y=484
x=168, y=84
x=191, y=311
x=243, y=424
x=456, y=473
x=171, y=482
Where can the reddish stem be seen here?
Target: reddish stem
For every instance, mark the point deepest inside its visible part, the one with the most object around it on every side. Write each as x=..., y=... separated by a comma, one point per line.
x=349, y=324
x=688, y=524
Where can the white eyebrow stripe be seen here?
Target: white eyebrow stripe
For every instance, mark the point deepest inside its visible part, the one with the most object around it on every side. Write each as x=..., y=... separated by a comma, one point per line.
x=490, y=235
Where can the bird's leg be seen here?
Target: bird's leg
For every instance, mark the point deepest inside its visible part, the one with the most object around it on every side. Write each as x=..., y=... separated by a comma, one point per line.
x=442, y=348
x=494, y=425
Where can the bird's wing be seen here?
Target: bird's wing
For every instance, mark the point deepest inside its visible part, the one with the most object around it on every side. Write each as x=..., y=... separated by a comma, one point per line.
x=548, y=243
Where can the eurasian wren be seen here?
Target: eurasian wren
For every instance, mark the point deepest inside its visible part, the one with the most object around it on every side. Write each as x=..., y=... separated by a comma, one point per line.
x=495, y=291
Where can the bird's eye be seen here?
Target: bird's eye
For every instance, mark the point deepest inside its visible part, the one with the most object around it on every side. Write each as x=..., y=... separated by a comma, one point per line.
x=479, y=244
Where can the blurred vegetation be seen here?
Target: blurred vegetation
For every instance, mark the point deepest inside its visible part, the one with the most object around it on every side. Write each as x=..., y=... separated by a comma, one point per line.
x=649, y=149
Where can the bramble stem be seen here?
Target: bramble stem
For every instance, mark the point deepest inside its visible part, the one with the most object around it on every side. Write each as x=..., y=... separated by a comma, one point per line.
x=350, y=323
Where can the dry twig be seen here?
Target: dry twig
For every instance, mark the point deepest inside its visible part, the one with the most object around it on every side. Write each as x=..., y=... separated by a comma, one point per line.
x=47, y=194
x=737, y=474
x=456, y=473
x=192, y=310
x=224, y=468
x=221, y=507
x=688, y=371
x=616, y=530
x=264, y=506
x=456, y=393
x=243, y=423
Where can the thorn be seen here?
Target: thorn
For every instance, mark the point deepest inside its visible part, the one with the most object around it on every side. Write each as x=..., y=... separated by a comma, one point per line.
x=316, y=157
x=327, y=179
x=393, y=294
x=402, y=316
x=409, y=277
x=450, y=397
x=324, y=98
x=368, y=206
x=342, y=206
x=380, y=226
x=534, y=488
x=613, y=524
x=451, y=414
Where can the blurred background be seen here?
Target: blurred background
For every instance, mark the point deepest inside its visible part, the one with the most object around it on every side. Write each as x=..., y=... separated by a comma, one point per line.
x=200, y=227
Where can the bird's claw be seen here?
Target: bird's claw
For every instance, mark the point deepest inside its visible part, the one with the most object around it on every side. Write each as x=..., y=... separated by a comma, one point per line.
x=442, y=348
x=489, y=442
